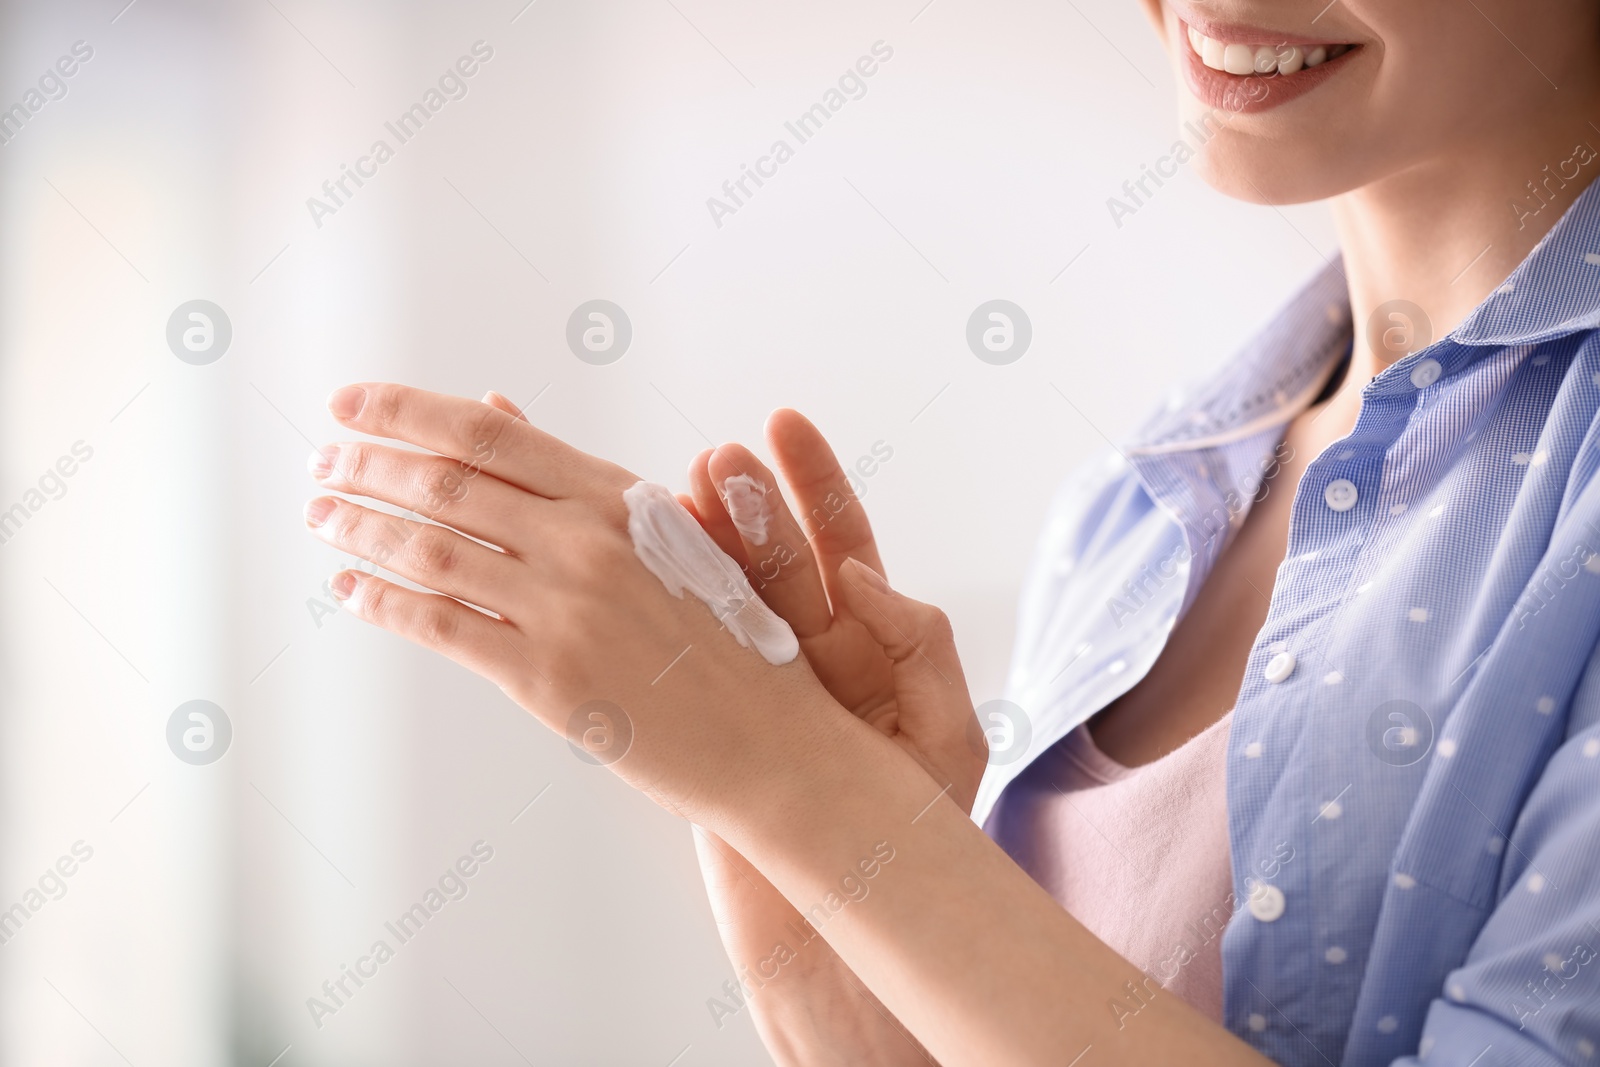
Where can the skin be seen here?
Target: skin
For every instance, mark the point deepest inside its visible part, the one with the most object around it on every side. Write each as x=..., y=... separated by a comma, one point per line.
x=1422, y=158
x=1195, y=680
x=795, y=774
x=803, y=792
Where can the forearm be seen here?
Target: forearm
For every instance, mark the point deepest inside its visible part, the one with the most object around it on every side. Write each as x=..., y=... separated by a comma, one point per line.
x=807, y=1005
x=957, y=942
x=829, y=1016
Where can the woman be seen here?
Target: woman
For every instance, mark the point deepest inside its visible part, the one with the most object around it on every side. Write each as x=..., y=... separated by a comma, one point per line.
x=1325, y=625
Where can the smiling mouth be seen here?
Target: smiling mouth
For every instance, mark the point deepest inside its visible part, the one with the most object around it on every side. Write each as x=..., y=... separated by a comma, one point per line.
x=1261, y=60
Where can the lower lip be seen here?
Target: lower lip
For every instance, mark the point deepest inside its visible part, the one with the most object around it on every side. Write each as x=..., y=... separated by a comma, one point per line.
x=1252, y=93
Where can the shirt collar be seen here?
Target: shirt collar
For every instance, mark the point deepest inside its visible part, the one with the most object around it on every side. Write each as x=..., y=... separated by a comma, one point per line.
x=1554, y=292
x=1276, y=375
x=1203, y=460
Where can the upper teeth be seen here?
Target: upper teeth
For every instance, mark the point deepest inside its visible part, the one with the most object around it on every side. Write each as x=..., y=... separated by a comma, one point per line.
x=1260, y=59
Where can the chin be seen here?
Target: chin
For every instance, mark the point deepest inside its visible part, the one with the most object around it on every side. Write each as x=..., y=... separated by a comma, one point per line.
x=1259, y=169
x=1271, y=115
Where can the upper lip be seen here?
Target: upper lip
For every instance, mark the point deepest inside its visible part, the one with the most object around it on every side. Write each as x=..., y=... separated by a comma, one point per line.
x=1235, y=33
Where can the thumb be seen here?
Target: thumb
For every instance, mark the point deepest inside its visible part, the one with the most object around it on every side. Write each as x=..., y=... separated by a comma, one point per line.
x=930, y=687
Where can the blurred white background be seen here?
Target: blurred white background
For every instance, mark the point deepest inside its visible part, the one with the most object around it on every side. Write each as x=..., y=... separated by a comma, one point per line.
x=172, y=565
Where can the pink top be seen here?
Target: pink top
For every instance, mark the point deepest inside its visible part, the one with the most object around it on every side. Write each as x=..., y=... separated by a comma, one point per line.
x=1138, y=855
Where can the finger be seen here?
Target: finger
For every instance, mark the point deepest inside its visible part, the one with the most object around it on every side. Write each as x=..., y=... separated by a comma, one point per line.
x=429, y=555
x=928, y=681
x=499, y=400
x=471, y=638
x=709, y=510
x=836, y=521
x=484, y=436
x=781, y=566
x=444, y=490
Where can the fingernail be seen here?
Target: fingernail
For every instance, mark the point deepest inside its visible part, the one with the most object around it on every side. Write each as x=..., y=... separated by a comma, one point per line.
x=318, y=510
x=321, y=463
x=343, y=584
x=872, y=577
x=346, y=403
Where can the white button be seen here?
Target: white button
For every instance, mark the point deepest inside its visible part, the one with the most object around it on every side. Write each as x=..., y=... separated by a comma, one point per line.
x=1281, y=666
x=1266, y=902
x=1426, y=373
x=1341, y=495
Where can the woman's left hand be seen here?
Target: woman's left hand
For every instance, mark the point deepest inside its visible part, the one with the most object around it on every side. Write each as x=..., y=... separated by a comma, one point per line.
x=688, y=715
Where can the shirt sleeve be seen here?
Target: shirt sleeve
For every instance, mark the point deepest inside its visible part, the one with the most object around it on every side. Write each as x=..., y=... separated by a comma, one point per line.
x=1529, y=991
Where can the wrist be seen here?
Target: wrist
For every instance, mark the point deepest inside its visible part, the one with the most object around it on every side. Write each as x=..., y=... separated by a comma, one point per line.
x=832, y=812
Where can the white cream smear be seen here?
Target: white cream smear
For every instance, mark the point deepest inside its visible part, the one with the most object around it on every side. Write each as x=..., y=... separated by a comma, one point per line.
x=747, y=507
x=673, y=547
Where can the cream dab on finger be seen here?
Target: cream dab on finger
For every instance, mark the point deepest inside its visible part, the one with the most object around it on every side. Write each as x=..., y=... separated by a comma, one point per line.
x=673, y=547
x=747, y=504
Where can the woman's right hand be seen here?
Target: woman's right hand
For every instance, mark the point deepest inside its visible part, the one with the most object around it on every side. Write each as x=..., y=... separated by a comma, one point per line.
x=887, y=658
x=892, y=662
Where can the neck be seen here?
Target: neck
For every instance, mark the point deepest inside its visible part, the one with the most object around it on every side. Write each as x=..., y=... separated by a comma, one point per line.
x=1443, y=235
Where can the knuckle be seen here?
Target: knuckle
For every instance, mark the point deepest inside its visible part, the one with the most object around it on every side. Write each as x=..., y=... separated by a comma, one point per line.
x=355, y=463
x=936, y=627
x=436, y=624
x=432, y=551
x=784, y=563
x=440, y=485
x=377, y=599
x=482, y=432
x=588, y=555
x=847, y=538
x=382, y=408
x=349, y=525
x=595, y=554
x=610, y=508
